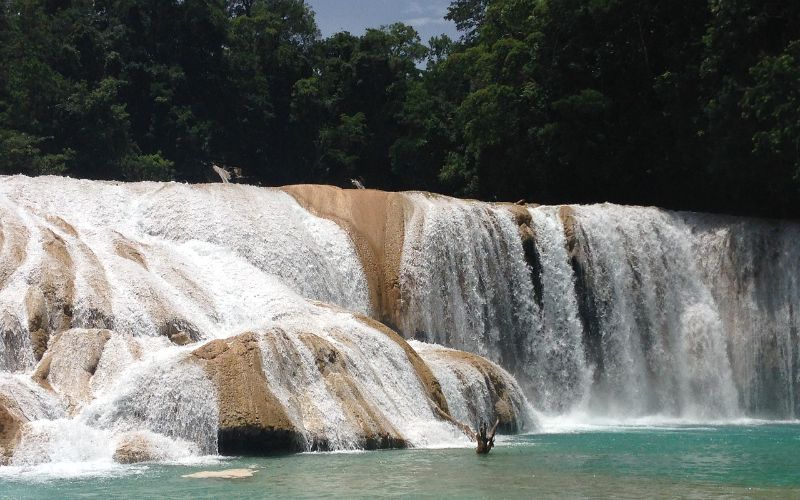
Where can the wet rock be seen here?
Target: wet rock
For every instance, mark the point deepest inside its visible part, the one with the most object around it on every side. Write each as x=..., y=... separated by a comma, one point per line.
x=252, y=420
x=134, y=449
x=69, y=364
x=375, y=221
x=38, y=322
x=181, y=332
x=580, y=260
x=506, y=400
x=222, y=474
x=11, y=422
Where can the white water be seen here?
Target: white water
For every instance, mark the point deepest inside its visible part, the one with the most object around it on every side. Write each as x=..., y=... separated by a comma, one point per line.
x=470, y=398
x=464, y=281
x=145, y=260
x=368, y=378
x=752, y=268
x=558, y=367
x=675, y=316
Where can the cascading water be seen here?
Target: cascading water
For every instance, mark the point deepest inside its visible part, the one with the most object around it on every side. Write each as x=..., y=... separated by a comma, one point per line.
x=752, y=268
x=643, y=312
x=380, y=388
x=558, y=367
x=118, y=303
x=464, y=280
x=659, y=337
x=469, y=397
x=101, y=285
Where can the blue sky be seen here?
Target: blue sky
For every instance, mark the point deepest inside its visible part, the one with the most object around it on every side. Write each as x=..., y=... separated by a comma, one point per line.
x=427, y=16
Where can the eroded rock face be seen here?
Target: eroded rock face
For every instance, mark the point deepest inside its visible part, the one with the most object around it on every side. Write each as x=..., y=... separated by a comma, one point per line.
x=251, y=419
x=375, y=221
x=579, y=255
x=70, y=363
x=375, y=430
x=477, y=390
x=11, y=422
x=21, y=402
x=523, y=220
x=426, y=376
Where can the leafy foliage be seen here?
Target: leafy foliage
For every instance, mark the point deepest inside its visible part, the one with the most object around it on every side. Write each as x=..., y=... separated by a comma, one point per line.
x=690, y=105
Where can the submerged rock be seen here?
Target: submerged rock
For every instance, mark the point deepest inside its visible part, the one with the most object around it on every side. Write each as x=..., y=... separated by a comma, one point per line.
x=222, y=474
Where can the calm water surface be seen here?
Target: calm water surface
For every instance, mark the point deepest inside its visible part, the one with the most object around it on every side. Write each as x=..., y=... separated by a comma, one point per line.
x=755, y=461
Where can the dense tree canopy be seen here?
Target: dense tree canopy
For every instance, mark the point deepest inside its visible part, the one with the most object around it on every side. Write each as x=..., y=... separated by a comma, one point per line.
x=689, y=105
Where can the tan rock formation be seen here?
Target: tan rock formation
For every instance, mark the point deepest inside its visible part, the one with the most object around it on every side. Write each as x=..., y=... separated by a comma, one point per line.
x=251, y=419
x=57, y=280
x=567, y=216
x=505, y=395
x=375, y=222
x=70, y=363
x=11, y=421
x=38, y=321
x=376, y=430
x=13, y=244
x=127, y=249
x=133, y=449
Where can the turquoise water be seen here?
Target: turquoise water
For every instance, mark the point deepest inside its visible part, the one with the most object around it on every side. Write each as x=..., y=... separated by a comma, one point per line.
x=687, y=461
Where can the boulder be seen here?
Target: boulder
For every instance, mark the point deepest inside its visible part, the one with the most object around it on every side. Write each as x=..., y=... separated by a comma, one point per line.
x=11, y=421
x=69, y=364
x=134, y=449
x=252, y=420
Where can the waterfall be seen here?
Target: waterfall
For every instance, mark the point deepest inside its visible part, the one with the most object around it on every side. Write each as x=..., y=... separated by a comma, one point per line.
x=114, y=299
x=464, y=281
x=558, y=365
x=632, y=311
x=164, y=322
x=752, y=268
x=661, y=341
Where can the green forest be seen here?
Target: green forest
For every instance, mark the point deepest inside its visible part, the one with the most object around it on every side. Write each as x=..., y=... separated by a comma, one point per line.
x=682, y=104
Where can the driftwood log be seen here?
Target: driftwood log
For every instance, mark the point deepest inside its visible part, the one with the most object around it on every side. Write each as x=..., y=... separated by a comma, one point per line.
x=484, y=438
